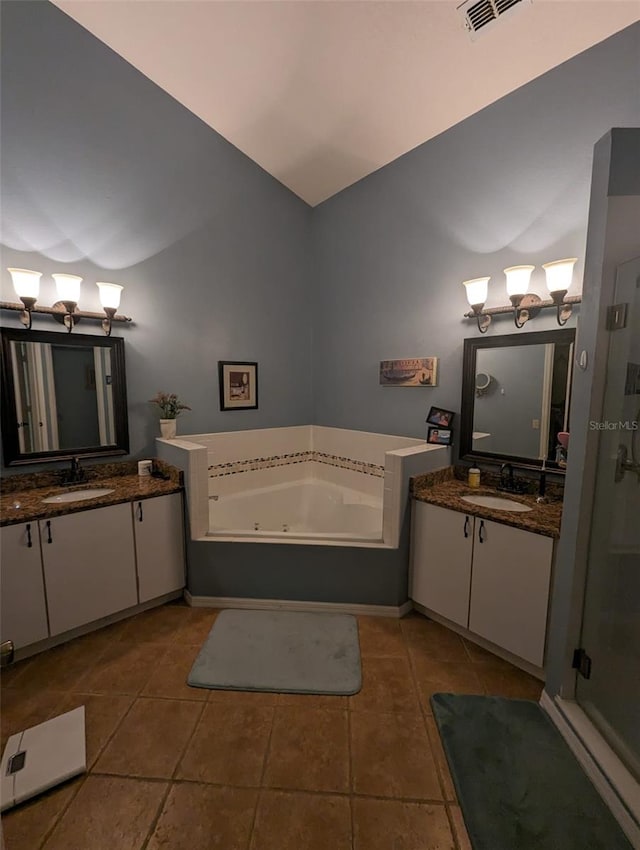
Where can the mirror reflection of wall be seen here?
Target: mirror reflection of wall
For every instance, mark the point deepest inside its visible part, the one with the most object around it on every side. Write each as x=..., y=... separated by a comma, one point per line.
x=510, y=418
x=63, y=396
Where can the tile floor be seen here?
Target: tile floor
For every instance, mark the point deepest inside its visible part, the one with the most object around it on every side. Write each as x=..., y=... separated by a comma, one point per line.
x=180, y=768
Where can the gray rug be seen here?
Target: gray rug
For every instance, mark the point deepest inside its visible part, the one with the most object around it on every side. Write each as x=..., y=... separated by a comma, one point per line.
x=519, y=785
x=282, y=651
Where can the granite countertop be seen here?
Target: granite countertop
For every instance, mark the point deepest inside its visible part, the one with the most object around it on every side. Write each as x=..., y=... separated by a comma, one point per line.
x=22, y=495
x=442, y=488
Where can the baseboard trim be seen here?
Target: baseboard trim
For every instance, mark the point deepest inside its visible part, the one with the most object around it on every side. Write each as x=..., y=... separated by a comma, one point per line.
x=570, y=721
x=395, y=611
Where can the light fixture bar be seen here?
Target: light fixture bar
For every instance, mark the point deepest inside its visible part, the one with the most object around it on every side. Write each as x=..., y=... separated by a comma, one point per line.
x=49, y=311
x=496, y=311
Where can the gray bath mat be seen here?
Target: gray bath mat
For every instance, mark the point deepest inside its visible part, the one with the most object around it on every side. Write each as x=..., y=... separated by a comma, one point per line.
x=282, y=651
x=519, y=785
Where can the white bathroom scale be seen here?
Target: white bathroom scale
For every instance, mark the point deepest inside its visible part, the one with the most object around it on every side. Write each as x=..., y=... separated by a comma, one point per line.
x=43, y=756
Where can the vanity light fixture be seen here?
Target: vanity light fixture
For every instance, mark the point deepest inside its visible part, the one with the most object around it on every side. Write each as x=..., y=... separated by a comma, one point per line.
x=110, y=300
x=525, y=305
x=559, y=276
x=68, y=288
x=518, y=278
x=27, y=286
x=476, y=290
x=65, y=310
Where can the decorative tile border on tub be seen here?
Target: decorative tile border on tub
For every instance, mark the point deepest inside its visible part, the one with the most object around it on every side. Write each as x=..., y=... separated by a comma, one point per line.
x=217, y=470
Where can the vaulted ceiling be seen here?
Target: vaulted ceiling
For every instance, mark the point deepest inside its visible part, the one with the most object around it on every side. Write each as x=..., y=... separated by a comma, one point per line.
x=321, y=93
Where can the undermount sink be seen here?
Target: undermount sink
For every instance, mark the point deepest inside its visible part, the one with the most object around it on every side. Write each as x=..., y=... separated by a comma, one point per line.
x=496, y=503
x=79, y=495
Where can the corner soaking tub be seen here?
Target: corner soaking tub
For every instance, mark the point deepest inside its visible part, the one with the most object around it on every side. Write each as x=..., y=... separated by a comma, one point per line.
x=308, y=508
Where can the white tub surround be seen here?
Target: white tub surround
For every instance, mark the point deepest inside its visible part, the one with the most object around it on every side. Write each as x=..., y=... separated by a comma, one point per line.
x=331, y=502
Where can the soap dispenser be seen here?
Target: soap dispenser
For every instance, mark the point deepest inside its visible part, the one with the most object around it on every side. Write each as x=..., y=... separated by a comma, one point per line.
x=473, y=479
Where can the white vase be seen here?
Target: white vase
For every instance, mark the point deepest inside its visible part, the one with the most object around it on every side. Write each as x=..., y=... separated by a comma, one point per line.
x=168, y=429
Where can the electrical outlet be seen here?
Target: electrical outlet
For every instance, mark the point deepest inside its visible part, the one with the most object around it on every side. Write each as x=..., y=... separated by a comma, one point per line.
x=535, y=424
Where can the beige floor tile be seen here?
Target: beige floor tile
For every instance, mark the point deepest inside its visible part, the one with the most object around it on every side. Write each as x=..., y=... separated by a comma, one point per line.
x=169, y=679
x=294, y=821
x=331, y=701
x=23, y=708
x=196, y=627
x=10, y=675
x=510, y=682
x=394, y=825
x=62, y=668
x=391, y=757
x=445, y=677
x=459, y=829
x=381, y=637
x=108, y=812
x=151, y=738
x=204, y=817
x=157, y=625
x=124, y=668
x=27, y=826
x=103, y=713
x=480, y=655
x=387, y=685
x=228, y=746
x=309, y=750
x=429, y=639
x=441, y=759
x=239, y=698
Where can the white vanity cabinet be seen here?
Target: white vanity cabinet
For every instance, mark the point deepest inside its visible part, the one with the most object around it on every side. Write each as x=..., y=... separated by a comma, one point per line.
x=89, y=565
x=159, y=541
x=24, y=611
x=489, y=578
x=442, y=542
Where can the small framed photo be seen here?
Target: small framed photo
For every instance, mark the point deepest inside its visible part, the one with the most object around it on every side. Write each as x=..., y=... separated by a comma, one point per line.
x=439, y=436
x=440, y=417
x=238, y=385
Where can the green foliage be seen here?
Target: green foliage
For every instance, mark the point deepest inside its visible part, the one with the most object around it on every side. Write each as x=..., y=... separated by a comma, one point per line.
x=170, y=405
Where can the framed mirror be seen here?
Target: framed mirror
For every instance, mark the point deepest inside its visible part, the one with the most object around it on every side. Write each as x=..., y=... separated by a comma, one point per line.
x=516, y=391
x=62, y=395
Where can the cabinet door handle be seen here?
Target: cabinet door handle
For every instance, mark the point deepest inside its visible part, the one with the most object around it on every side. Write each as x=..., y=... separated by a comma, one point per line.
x=480, y=530
x=466, y=526
x=49, y=537
x=140, y=515
x=29, y=541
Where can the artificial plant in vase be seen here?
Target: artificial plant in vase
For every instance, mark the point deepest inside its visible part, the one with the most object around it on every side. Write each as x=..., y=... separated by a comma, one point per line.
x=170, y=408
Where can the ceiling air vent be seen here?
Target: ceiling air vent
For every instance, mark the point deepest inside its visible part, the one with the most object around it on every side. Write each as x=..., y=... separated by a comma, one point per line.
x=480, y=14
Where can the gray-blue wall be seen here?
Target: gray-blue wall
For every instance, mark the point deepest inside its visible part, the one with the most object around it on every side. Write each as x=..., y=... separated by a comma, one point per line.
x=106, y=176
x=509, y=185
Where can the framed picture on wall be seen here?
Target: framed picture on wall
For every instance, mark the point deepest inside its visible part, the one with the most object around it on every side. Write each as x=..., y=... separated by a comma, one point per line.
x=238, y=385
x=410, y=372
x=439, y=436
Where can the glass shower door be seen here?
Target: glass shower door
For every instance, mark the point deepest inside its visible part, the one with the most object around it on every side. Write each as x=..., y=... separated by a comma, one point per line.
x=611, y=618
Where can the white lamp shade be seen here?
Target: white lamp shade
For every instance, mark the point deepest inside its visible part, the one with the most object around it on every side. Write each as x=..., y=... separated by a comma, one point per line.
x=559, y=274
x=68, y=286
x=25, y=282
x=518, y=278
x=476, y=290
x=110, y=294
